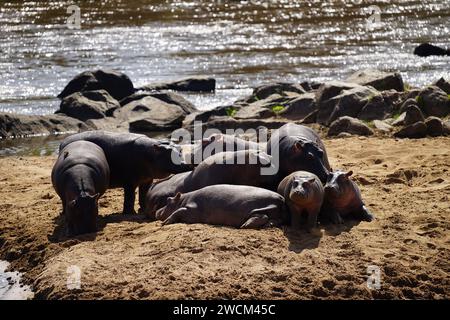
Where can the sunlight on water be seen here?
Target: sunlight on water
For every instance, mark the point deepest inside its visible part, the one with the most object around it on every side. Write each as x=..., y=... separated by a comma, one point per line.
x=241, y=44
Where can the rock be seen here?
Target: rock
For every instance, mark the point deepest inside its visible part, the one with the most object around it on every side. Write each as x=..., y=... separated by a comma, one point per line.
x=348, y=102
x=16, y=125
x=413, y=115
x=344, y=135
x=408, y=102
x=393, y=98
x=378, y=79
x=224, y=123
x=427, y=49
x=192, y=84
x=300, y=107
x=416, y=130
x=412, y=94
x=434, y=102
x=349, y=125
x=204, y=116
x=117, y=84
x=446, y=128
x=382, y=125
x=150, y=114
x=400, y=121
x=443, y=85
x=264, y=91
x=166, y=96
x=435, y=126
x=310, y=118
x=88, y=105
x=261, y=108
x=375, y=109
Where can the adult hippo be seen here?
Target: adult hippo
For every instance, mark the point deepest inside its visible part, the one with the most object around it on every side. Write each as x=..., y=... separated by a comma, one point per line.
x=80, y=176
x=134, y=160
x=298, y=148
x=245, y=167
x=343, y=199
x=158, y=193
x=303, y=193
x=226, y=205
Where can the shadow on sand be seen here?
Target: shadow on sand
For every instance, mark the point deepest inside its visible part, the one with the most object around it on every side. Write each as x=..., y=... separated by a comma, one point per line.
x=60, y=232
x=301, y=239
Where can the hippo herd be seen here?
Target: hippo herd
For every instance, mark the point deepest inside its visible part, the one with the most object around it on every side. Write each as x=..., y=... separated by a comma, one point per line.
x=227, y=188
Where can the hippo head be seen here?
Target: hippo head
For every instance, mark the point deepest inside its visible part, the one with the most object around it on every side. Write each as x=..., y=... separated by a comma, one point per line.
x=304, y=155
x=173, y=203
x=302, y=189
x=338, y=186
x=168, y=158
x=81, y=214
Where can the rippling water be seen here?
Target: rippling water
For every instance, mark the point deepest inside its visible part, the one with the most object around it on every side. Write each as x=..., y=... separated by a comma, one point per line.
x=241, y=43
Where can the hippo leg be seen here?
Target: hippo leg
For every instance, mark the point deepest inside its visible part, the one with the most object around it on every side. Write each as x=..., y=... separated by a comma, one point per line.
x=143, y=189
x=312, y=220
x=365, y=214
x=129, y=198
x=175, y=216
x=335, y=217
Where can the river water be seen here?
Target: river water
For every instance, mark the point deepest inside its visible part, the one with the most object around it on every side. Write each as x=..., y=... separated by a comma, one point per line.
x=241, y=43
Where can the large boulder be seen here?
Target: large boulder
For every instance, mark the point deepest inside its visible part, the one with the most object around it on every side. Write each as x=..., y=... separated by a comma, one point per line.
x=192, y=84
x=166, y=96
x=261, y=108
x=264, y=91
x=443, y=85
x=335, y=99
x=375, y=109
x=117, y=84
x=413, y=115
x=150, y=114
x=434, y=102
x=435, y=127
x=88, y=105
x=349, y=125
x=17, y=125
x=378, y=79
x=415, y=131
x=300, y=107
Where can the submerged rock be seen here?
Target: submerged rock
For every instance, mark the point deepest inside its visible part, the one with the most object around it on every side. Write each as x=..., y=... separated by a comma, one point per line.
x=349, y=125
x=117, y=84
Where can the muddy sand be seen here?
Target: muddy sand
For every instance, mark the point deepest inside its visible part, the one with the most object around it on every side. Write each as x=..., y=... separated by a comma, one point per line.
x=406, y=183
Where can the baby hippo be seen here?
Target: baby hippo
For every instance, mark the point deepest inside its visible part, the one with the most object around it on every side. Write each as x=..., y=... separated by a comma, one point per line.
x=304, y=194
x=80, y=176
x=343, y=199
x=226, y=205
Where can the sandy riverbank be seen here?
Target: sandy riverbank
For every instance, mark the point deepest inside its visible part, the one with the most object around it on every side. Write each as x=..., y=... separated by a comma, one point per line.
x=406, y=183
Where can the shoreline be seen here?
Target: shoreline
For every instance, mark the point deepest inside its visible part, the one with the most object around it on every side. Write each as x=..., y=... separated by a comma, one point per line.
x=404, y=182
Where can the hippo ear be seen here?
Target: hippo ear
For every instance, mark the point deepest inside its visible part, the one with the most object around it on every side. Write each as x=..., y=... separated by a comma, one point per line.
x=177, y=196
x=349, y=173
x=297, y=147
x=330, y=176
x=311, y=180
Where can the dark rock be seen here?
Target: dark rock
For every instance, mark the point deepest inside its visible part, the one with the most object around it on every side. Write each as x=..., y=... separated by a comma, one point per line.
x=427, y=49
x=264, y=91
x=378, y=79
x=443, y=85
x=435, y=127
x=166, y=96
x=375, y=109
x=117, y=84
x=413, y=115
x=224, y=123
x=310, y=118
x=416, y=130
x=349, y=125
x=434, y=102
x=150, y=114
x=300, y=107
x=88, y=105
x=348, y=102
x=192, y=84
x=407, y=103
x=446, y=128
x=16, y=125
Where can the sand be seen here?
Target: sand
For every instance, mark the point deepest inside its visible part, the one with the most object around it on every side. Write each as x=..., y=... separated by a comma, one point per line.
x=405, y=183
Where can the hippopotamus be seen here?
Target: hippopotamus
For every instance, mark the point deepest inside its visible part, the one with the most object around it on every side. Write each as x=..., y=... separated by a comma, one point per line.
x=158, y=193
x=299, y=149
x=343, y=199
x=226, y=205
x=219, y=142
x=80, y=176
x=134, y=160
x=245, y=167
x=303, y=193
